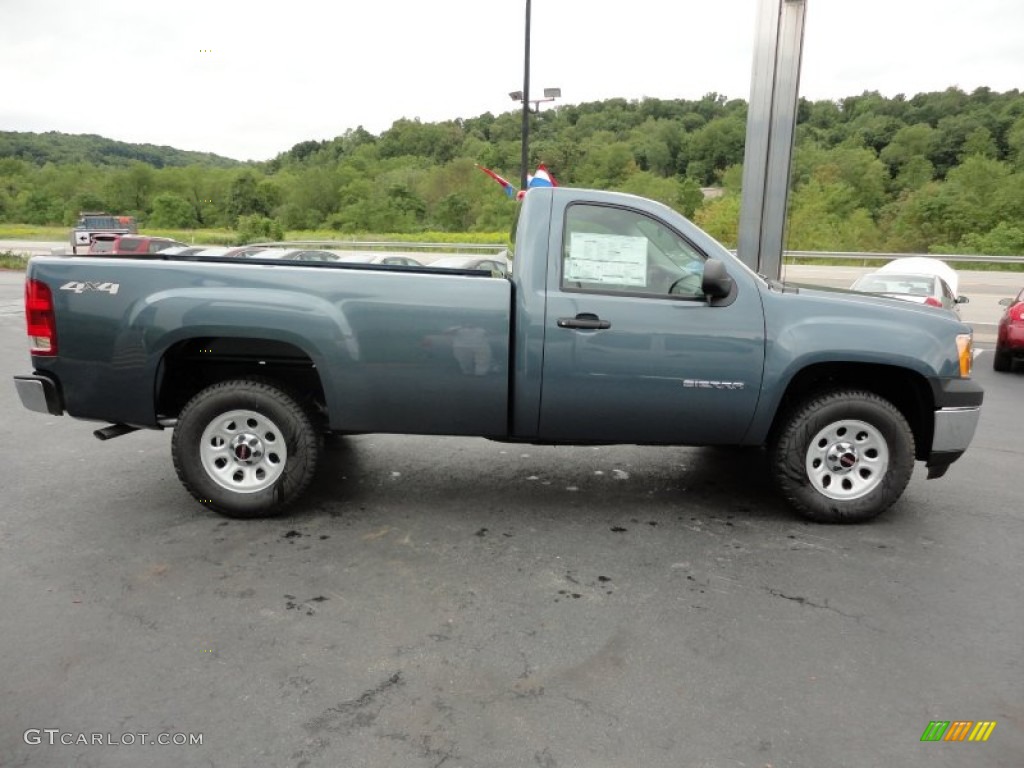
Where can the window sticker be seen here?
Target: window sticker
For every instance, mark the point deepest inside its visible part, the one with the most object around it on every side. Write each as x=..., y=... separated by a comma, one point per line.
x=616, y=259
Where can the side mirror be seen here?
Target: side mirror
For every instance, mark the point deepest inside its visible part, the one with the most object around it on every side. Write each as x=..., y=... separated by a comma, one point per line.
x=716, y=283
x=962, y=300
x=1005, y=302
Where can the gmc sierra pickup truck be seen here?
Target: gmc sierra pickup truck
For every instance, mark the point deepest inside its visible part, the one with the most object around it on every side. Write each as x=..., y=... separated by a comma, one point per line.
x=621, y=322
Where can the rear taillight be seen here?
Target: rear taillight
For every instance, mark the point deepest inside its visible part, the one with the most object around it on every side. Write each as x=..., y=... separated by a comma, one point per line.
x=42, y=324
x=931, y=301
x=1016, y=313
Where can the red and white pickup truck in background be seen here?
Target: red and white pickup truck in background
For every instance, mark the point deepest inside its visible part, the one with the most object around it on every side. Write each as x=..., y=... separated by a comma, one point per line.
x=91, y=224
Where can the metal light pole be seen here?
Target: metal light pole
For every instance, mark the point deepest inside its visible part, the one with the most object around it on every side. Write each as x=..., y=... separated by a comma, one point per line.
x=524, y=159
x=550, y=94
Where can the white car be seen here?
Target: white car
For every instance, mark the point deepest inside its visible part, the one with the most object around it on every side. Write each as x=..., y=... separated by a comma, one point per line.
x=390, y=259
x=916, y=278
x=497, y=268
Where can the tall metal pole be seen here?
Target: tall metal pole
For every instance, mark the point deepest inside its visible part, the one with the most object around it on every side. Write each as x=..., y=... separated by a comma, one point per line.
x=771, y=126
x=526, y=103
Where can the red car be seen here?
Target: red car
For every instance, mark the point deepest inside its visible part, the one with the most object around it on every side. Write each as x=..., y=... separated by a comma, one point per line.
x=131, y=245
x=1010, y=341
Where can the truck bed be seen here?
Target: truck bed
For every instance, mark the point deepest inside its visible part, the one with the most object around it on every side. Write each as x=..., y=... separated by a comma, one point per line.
x=396, y=349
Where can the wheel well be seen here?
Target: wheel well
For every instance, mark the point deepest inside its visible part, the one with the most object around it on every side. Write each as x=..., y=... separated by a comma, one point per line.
x=194, y=364
x=905, y=389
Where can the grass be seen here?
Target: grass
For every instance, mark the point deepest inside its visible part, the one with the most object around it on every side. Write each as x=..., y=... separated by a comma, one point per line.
x=32, y=232
x=11, y=260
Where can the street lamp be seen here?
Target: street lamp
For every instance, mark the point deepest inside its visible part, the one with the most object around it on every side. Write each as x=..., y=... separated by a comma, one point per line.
x=550, y=94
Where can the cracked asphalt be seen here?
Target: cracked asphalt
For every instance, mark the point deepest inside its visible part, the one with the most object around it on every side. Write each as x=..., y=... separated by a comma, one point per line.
x=466, y=604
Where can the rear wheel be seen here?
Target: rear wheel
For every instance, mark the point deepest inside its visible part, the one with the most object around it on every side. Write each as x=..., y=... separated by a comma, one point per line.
x=843, y=457
x=1001, y=360
x=245, y=448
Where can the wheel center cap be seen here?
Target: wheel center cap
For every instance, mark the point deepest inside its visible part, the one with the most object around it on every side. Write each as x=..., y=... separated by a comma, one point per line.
x=247, y=448
x=841, y=458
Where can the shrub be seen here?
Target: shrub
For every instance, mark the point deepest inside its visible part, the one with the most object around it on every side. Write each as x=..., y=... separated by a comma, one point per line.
x=255, y=228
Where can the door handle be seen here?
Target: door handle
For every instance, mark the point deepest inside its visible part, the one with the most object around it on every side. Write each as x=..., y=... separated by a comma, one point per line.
x=584, y=321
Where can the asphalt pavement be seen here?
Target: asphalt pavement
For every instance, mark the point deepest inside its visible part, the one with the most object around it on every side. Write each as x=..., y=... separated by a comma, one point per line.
x=458, y=603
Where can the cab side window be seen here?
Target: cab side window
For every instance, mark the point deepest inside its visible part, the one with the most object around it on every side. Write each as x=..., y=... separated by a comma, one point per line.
x=616, y=250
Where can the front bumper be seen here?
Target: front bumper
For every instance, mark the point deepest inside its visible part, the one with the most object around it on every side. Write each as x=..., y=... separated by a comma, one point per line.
x=957, y=410
x=954, y=430
x=39, y=393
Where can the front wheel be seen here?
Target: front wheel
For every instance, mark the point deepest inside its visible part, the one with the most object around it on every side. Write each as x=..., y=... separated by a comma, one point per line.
x=843, y=457
x=245, y=448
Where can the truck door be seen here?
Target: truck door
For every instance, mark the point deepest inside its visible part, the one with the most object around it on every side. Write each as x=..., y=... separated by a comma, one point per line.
x=633, y=350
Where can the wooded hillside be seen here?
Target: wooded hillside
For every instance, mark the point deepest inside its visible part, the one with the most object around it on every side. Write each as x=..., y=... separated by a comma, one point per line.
x=940, y=172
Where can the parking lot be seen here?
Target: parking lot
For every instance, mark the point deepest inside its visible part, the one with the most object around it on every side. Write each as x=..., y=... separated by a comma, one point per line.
x=468, y=604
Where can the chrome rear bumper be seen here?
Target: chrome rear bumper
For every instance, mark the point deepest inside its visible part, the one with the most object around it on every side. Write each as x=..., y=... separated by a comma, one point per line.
x=38, y=393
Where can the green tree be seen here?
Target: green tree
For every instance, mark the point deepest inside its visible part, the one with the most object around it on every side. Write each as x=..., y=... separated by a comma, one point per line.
x=1004, y=239
x=128, y=190
x=244, y=197
x=82, y=201
x=39, y=208
x=720, y=218
x=172, y=211
x=453, y=213
x=255, y=228
x=1014, y=140
x=714, y=148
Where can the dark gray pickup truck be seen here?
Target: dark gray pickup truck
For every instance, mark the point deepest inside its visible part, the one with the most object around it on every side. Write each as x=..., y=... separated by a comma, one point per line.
x=621, y=323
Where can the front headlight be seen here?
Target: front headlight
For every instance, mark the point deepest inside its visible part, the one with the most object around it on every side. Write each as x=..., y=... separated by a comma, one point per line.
x=965, y=350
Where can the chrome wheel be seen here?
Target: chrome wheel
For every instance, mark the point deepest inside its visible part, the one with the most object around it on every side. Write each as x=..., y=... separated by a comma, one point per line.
x=243, y=451
x=847, y=459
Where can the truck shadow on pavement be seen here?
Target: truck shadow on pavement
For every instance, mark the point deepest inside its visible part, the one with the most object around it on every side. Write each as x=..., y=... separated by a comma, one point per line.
x=362, y=473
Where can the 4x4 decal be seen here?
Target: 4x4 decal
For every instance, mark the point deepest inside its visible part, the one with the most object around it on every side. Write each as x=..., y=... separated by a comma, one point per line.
x=78, y=287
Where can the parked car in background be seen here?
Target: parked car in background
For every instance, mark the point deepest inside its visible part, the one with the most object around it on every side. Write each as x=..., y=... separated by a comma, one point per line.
x=131, y=245
x=390, y=259
x=483, y=263
x=245, y=251
x=183, y=250
x=915, y=278
x=1010, y=337
x=102, y=243
x=298, y=254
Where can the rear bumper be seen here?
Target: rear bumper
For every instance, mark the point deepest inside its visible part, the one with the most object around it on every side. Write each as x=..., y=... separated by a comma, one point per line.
x=39, y=393
x=1011, y=338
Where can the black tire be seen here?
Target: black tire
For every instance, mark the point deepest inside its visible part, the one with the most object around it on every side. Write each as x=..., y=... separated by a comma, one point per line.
x=860, y=461
x=1002, y=361
x=245, y=448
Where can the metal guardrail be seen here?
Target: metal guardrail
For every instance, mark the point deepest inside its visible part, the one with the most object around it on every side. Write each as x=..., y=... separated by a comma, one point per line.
x=855, y=256
x=390, y=245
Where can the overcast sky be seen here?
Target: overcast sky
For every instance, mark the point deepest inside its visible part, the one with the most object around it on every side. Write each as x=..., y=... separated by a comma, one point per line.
x=251, y=78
